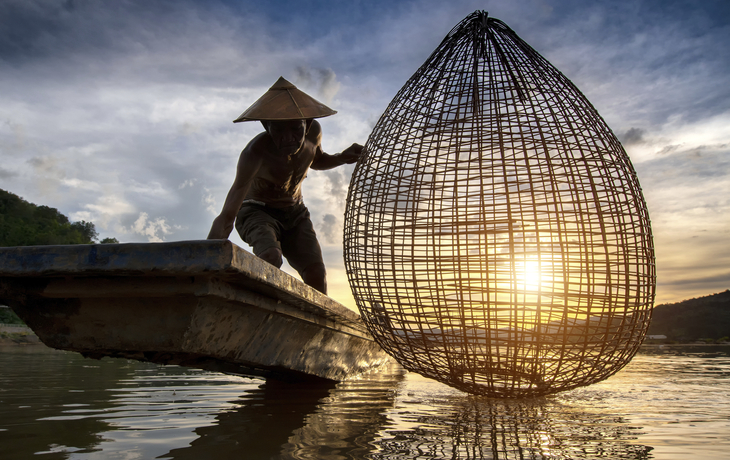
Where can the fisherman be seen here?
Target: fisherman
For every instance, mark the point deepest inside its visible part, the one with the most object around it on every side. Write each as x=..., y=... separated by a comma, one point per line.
x=265, y=199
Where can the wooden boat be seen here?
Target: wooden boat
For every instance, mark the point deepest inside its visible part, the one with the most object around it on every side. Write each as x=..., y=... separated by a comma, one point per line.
x=206, y=304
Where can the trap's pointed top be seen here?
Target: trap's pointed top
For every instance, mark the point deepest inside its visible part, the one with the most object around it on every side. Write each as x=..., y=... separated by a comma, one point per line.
x=283, y=101
x=483, y=15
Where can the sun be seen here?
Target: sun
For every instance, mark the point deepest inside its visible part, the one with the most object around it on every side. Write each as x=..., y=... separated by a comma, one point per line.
x=529, y=276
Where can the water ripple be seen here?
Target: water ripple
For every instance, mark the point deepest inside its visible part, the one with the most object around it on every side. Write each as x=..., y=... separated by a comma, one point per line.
x=668, y=403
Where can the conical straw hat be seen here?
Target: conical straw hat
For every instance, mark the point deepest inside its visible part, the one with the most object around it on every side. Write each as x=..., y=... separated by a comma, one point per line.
x=284, y=101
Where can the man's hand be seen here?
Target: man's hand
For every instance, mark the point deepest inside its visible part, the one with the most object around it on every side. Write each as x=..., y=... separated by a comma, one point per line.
x=351, y=154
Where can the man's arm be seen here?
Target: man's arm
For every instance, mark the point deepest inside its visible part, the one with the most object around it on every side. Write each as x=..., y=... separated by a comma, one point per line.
x=326, y=161
x=323, y=160
x=249, y=164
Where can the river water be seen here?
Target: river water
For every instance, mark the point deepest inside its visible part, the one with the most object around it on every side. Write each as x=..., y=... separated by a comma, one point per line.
x=668, y=403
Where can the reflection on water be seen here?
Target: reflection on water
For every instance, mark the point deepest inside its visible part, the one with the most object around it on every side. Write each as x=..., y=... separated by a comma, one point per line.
x=299, y=421
x=668, y=403
x=473, y=428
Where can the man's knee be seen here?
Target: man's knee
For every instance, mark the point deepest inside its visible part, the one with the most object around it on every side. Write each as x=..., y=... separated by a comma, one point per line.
x=272, y=256
x=315, y=275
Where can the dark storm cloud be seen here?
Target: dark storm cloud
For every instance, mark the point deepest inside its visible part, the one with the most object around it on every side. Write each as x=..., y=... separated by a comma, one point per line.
x=29, y=29
x=665, y=57
x=632, y=136
x=161, y=41
x=38, y=29
x=323, y=81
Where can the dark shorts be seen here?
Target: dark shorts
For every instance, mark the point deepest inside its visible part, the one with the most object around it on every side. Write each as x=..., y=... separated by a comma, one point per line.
x=289, y=229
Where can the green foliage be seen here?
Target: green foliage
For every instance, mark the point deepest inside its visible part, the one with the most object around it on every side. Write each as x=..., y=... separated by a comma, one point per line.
x=702, y=319
x=8, y=316
x=26, y=224
x=109, y=241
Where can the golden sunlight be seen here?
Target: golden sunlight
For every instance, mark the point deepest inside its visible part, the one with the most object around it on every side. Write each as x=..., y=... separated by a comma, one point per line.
x=529, y=276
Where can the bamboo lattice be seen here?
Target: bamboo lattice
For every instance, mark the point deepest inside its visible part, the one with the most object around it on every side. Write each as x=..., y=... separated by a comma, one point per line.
x=496, y=236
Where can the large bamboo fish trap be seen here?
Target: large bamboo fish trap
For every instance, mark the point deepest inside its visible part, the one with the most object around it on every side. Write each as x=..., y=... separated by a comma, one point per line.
x=496, y=236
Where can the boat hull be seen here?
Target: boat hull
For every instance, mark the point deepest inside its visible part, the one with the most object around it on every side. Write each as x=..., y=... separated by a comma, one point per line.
x=204, y=304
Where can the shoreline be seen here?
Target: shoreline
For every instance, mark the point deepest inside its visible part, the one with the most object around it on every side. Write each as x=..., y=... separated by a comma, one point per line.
x=11, y=334
x=22, y=340
x=28, y=337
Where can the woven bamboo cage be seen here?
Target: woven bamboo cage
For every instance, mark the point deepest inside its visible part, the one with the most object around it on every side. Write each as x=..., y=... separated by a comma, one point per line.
x=496, y=236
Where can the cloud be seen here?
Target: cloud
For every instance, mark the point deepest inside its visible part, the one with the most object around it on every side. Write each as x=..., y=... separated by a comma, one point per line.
x=323, y=81
x=679, y=135
x=656, y=63
x=328, y=229
x=210, y=202
x=154, y=230
x=47, y=166
x=721, y=280
x=338, y=184
x=668, y=149
x=187, y=183
x=106, y=211
x=13, y=139
x=7, y=174
x=632, y=136
x=48, y=172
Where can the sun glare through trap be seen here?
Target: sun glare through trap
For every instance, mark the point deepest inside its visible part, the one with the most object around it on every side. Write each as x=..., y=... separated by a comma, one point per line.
x=496, y=236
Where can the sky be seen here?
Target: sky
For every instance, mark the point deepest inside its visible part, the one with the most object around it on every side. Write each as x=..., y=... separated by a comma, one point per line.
x=120, y=113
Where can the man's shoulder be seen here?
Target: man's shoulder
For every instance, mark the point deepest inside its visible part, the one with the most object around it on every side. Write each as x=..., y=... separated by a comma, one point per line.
x=261, y=143
x=315, y=132
x=316, y=127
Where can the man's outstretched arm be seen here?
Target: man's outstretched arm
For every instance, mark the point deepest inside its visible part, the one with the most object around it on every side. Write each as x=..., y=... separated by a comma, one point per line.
x=348, y=156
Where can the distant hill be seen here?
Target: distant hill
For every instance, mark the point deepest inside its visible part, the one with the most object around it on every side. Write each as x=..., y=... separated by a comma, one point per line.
x=26, y=224
x=691, y=320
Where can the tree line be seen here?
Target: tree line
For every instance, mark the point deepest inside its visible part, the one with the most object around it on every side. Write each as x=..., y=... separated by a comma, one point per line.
x=705, y=319
x=26, y=224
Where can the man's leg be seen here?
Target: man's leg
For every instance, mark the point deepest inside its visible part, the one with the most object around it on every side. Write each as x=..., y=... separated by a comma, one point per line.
x=316, y=276
x=272, y=256
x=301, y=248
x=260, y=230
